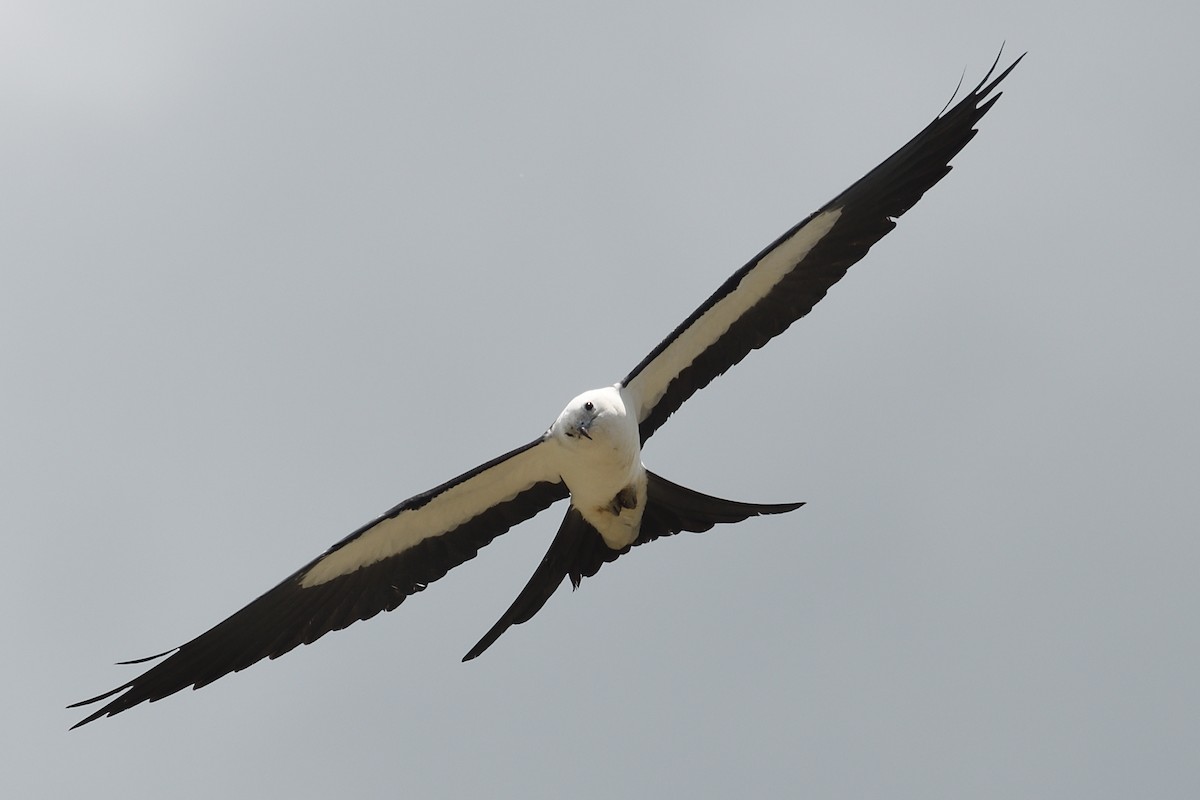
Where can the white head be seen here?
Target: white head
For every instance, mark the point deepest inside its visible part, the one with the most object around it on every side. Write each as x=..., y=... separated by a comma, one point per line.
x=595, y=415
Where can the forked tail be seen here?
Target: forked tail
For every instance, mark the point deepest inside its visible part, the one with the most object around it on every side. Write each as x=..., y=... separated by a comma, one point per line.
x=578, y=551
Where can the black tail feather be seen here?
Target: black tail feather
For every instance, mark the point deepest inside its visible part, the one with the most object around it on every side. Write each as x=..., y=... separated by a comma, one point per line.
x=575, y=538
x=671, y=508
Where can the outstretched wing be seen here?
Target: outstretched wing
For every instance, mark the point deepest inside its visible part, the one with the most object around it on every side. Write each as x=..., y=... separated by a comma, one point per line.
x=371, y=570
x=578, y=551
x=783, y=282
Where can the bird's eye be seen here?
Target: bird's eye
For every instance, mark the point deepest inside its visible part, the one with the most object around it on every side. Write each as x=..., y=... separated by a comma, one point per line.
x=589, y=405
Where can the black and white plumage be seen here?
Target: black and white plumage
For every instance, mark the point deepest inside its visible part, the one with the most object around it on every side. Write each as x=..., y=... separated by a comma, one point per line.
x=591, y=454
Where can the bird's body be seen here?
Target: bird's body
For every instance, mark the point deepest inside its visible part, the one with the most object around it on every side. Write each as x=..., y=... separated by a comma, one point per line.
x=592, y=453
x=598, y=454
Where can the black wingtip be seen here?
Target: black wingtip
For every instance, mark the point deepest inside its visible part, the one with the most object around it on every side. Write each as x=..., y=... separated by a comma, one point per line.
x=95, y=715
x=118, y=704
x=985, y=86
x=107, y=710
x=147, y=658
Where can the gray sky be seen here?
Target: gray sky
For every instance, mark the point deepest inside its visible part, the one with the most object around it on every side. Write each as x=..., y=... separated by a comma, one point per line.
x=267, y=272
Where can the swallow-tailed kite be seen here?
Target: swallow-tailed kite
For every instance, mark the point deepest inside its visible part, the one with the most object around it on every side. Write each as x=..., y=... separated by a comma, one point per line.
x=591, y=454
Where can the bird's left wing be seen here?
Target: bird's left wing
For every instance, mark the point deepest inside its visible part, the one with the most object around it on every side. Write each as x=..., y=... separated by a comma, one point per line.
x=371, y=570
x=783, y=282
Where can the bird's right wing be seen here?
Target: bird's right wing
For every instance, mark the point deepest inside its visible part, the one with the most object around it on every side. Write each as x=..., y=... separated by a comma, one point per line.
x=371, y=570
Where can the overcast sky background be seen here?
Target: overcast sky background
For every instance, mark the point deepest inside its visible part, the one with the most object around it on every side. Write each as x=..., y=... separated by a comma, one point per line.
x=268, y=269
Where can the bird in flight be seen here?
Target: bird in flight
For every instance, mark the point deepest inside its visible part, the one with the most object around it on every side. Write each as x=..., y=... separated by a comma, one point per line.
x=591, y=454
